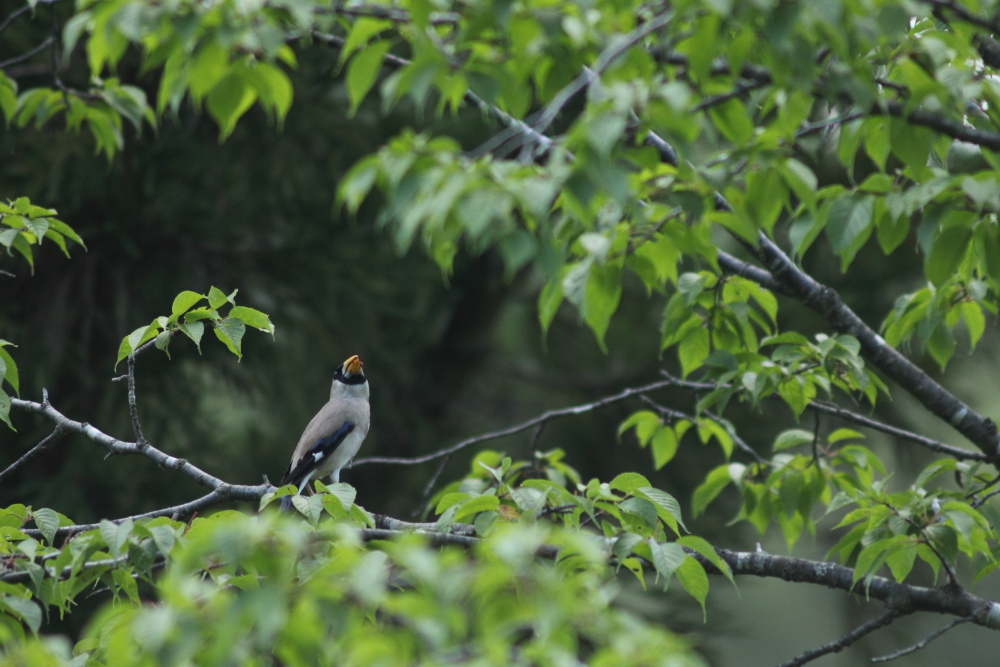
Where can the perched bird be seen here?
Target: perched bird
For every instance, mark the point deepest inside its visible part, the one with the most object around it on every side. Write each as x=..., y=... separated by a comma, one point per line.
x=335, y=434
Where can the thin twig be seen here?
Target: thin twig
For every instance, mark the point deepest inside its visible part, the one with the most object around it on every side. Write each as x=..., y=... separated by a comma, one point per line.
x=726, y=426
x=922, y=643
x=117, y=446
x=429, y=487
x=133, y=409
x=32, y=453
x=611, y=53
x=859, y=419
x=884, y=618
x=14, y=15
x=514, y=430
x=739, y=89
x=28, y=55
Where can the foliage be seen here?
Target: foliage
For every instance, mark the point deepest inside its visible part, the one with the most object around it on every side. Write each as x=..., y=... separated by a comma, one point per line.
x=190, y=321
x=714, y=154
x=235, y=588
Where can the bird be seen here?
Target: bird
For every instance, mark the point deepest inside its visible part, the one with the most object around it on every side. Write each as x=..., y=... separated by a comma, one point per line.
x=333, y=437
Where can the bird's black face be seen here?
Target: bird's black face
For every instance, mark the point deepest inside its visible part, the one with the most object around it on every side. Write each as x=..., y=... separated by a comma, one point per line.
x=350, y=372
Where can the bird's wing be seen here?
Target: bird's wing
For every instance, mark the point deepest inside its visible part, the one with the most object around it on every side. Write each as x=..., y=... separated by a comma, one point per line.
x=321, y=450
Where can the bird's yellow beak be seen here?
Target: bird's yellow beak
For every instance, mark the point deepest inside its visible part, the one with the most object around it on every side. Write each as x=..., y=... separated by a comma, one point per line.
x=352, y=366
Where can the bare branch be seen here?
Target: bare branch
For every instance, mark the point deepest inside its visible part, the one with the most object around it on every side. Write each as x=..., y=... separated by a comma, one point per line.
x=929, y=443
x=827, y=302
x=884, y=618
x=116, y=446
x=133, y=409
x=29, y=54
x=32, y=453
x=922, y=643
x=13, y=15
x=514, y=430
x=905, y=598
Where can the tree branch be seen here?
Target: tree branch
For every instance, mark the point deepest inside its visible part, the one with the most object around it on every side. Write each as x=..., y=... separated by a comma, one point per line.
x=610, y=53
x=32, y=453
x=116, y=446
x=514, y=430
x=224, y=493
x=922, y=643
x=29, y=54
x=905, y=598
x=885, y=617
x=13, y=15
x=470, y=97
x=859, y=419
x=825, y=301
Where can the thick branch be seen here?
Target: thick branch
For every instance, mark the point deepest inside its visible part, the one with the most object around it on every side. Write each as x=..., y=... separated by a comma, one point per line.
x=825, y=301
x=952, y=128
x=906, y=598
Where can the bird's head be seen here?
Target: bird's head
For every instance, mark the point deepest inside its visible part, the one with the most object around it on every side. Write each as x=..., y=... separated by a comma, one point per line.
x=349, y=375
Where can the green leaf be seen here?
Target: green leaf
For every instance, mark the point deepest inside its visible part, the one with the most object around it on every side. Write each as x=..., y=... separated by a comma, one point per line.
x=715, y=481
x=183, y=302
x=645, y=423
x=692, y=576
x=732, y=121
x=230, y=332
x=253, y=318
x=274, y=89
x=208, y=66
x=947, y=253
x=663, y=446
x=792, y=438
x=47, y=521
x=362, y=72
x=702, y=546
x=667, y=506
x=218, y=298
x=666, y=557
x=693, y=349
x=5, y=404
x=628, y=482
x=229, y=100
x=26, y=609
x=115, y=535
x=10, y=373
x=601, y=295
x=194, y=331
x=849, y=218
x=483, y=503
